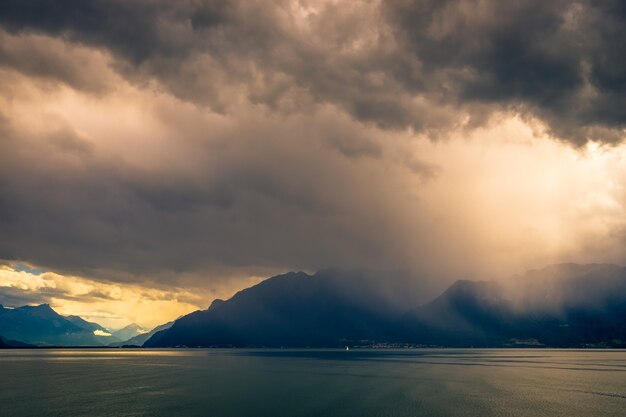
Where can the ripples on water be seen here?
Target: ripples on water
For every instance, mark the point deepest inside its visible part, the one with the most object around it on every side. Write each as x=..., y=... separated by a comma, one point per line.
x=360, y=383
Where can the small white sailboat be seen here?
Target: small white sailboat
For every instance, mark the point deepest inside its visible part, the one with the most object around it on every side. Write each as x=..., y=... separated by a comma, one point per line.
x=347, y=348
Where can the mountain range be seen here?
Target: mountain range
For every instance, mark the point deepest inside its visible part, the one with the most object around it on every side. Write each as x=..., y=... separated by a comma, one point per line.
x=560, y=306
x=565, y=305
x=42, y=326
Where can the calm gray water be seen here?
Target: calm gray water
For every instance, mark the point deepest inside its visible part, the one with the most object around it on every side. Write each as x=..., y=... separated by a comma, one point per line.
x=312, y=383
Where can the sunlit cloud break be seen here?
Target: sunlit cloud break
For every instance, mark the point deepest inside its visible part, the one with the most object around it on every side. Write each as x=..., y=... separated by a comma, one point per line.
x=112, y=305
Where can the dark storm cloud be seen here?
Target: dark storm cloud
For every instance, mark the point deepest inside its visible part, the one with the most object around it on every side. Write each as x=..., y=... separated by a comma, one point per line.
x=137, y=30
x=398, y=64
x=561, y=61
x=53, y=60
x=17, y=297
x=259, y=196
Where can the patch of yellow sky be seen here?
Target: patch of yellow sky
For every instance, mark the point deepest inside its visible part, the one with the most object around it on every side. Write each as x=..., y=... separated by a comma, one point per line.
x=113, y=305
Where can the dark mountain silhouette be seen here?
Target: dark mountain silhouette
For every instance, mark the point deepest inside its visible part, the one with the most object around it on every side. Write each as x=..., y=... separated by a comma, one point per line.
x=562, y=306
x=41, y=325
x=330, y=308
x=583, y=304
x=466, y=314
x=140, y=339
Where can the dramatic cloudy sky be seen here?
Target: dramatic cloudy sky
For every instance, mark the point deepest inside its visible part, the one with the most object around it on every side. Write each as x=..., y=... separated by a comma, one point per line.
x=155, y=155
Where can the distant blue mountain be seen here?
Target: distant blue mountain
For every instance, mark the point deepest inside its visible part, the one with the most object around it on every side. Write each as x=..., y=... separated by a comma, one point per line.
x=140, y=339
x=41, y=325
x=562, y=306
x=128, y=332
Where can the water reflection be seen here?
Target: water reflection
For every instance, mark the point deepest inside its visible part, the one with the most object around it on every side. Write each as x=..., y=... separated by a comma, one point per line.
x=334, y=383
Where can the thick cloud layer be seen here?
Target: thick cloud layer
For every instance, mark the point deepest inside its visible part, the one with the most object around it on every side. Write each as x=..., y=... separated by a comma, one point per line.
x=175, y=189
x=426, y=65
x=193, y=142
x=560, y=61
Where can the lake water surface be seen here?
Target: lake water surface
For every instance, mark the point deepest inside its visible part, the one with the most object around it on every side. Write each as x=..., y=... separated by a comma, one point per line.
x=359, y=383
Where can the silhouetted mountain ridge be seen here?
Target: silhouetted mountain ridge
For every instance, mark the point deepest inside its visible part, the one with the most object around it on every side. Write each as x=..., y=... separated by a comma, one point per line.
x=562, y=305
x=294, y=309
